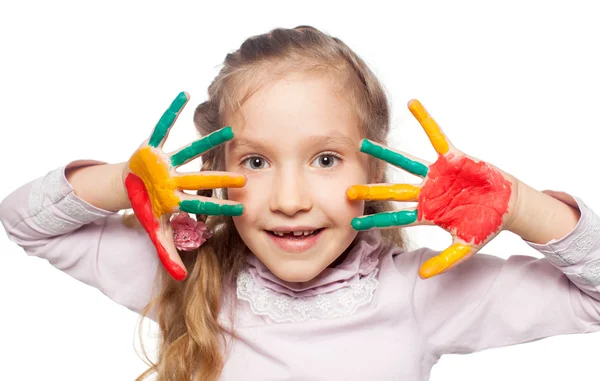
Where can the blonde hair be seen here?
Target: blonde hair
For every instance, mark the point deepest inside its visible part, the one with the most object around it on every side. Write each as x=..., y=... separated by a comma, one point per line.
x=191, y=341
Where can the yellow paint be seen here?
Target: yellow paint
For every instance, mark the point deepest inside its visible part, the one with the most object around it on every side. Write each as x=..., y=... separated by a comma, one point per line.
x=155, y=174
x=395, y=192
x=444, y=260
x=196, y=182
x=433, y=131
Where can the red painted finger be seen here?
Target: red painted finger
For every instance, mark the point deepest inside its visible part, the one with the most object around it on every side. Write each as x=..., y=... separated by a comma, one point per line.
x=142, y=207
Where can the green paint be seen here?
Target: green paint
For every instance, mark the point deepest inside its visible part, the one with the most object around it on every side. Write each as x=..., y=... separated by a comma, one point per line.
x=394, y=158
x=202, y=145
x=385, y=220
x=210, y=208
x=167, y=119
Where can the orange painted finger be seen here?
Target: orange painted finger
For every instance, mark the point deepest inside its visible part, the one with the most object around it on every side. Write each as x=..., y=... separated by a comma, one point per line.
x=209, y=181
x=446, y=259
x=432, y=129
x=395, y=192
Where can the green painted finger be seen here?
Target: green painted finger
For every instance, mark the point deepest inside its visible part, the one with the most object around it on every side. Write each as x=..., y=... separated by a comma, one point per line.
x=202, y=145
x=167, y=119
x=394, y=158
x=384, y=220
x=210, y=208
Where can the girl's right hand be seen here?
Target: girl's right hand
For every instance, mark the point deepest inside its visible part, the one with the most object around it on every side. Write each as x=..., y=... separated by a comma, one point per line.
x=155, y=188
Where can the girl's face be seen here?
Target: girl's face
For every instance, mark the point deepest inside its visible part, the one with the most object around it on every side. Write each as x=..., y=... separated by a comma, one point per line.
x=298, y=145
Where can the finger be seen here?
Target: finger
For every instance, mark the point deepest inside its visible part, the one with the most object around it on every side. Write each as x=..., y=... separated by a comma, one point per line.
x=167, y=120
x=438, y=140
x=452, y=256
x=412, y=165
x=198, y=147
x=210, y=180
x=169, y=257
x=385, y=220
x=142, y=207
x=209, y=206
x=393, y=192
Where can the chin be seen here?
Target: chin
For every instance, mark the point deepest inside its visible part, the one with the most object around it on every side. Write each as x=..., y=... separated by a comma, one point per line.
x=297, y=274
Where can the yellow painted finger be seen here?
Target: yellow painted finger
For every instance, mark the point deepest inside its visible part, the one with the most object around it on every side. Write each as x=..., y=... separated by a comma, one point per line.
x=433, y=131
x=444, y=260
x=396, y=192
x=209, y=181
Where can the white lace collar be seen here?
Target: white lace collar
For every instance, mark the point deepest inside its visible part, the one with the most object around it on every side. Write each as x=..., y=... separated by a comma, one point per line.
x=281, y=307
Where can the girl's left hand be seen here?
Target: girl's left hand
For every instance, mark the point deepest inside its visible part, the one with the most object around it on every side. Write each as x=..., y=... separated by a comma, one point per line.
x=471, y=199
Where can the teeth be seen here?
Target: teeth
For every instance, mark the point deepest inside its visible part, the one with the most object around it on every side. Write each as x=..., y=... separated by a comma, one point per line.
x=296, y=233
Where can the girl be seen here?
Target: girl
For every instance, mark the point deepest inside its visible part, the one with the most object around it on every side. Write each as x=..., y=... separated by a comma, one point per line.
x=287, y=287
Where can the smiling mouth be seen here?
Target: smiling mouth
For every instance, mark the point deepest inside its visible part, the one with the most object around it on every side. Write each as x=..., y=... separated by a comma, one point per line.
x=296, y=234
x=296, y=241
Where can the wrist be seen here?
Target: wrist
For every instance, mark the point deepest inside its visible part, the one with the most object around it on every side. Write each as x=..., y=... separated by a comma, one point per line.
x=119, y=186
x=540, y=218
x=100, y=185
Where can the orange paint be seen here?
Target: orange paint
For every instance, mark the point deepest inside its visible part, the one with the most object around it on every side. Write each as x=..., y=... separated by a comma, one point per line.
x=197, y=182
x=157, y=179
x=395, y=192
x=433, y=131
x=444, y=260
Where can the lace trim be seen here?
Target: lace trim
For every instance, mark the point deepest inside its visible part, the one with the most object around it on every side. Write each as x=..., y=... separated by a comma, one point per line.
x=52, y=191
x=35, y=197
x=591, y=272
x=281, y=307
x=581, y=245
x=577, y=278
x=74, y=209
x=49, y=187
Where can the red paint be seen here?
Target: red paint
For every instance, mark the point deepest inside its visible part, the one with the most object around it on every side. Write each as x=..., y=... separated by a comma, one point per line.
x=142, y=207
x=465, y=197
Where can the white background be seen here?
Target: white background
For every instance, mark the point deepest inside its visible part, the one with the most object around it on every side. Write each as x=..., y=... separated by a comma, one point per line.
x=515, y=83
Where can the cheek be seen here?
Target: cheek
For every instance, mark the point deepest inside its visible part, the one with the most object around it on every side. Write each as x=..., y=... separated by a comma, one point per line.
x=255, y=191
x=254, y=197
x=332, y=195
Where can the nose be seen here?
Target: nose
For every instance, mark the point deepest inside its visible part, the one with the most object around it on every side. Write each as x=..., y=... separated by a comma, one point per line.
x=290, y=193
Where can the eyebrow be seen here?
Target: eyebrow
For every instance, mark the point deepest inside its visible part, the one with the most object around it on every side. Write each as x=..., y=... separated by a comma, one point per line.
x=325, y=140
x=311, y=141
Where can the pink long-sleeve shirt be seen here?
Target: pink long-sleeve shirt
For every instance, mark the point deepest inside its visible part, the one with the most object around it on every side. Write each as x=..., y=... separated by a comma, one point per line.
x=369, y=318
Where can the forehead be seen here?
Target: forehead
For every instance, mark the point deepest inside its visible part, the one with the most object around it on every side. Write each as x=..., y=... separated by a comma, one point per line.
x=296, y=106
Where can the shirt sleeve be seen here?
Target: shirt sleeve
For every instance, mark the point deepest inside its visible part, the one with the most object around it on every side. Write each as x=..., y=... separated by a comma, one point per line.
x=491, y=302
x=92, y=245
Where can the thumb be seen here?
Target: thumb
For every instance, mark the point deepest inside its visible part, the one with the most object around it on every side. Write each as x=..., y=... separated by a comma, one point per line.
x=457, y=253
x=158, y=229
x=167, y=252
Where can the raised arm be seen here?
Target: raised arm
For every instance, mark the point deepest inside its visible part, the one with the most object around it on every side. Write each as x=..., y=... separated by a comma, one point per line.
x=465, y=302
x=49, y=220
x=490, y=302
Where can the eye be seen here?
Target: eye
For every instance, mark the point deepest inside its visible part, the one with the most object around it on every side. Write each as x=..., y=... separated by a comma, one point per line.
x=255, y=162
x=327, y=160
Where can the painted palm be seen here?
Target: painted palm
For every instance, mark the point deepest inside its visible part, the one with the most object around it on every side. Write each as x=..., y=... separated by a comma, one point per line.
x=467, y=197
x=156, y=189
